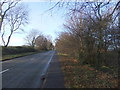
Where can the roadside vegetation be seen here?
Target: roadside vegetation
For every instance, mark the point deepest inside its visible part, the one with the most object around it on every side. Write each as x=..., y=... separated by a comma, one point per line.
x=13, y=17
x=89, y=45
x=16, y=51
x=12, y=56
x=36, y=42
x=11, y=52
x=77, y=75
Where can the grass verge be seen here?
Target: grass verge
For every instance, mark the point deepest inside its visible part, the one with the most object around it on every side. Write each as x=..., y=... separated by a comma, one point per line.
x=7, y=57
x=84, y=76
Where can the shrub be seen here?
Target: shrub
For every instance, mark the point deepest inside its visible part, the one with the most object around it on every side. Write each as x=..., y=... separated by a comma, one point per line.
x=16, y=49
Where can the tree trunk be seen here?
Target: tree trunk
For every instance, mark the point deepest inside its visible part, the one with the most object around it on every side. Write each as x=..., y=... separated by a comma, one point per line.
x=1, y=20
x=9, y=38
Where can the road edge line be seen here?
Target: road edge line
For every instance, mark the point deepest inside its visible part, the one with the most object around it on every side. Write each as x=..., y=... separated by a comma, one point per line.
x=4, y=71
x=43, y=75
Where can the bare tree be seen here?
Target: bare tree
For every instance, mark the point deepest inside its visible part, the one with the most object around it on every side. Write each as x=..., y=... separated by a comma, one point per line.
x=90, y=29
x=41, y=42
x=49, y=42
x=5, y=6
x=15, y=19
x=31, y=37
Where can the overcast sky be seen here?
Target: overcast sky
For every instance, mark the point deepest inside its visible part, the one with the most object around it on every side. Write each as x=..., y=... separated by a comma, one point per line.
x=48, y=22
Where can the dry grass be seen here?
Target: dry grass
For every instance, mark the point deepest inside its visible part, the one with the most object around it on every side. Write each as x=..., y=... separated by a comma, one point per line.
x=84, y=76
x=11, y=56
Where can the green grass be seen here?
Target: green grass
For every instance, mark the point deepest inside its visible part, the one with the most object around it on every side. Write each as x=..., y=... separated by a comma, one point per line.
x=5, y=57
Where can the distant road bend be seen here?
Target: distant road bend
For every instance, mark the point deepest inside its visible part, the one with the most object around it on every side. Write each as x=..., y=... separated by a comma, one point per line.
x=25, y=72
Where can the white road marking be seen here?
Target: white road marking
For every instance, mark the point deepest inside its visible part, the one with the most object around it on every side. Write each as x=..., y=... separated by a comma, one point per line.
x=50, y=58
x=4, y=71
x=46, y=67
x=43, y=75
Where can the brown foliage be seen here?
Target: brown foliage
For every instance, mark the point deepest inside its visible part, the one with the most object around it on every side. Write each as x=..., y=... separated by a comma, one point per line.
x=84, y=76
x=88, y=34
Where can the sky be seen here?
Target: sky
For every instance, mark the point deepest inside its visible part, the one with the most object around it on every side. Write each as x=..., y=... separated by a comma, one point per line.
x=48, y=22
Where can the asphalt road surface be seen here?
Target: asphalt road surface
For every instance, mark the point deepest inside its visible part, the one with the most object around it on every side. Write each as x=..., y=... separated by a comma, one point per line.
x=25, y=72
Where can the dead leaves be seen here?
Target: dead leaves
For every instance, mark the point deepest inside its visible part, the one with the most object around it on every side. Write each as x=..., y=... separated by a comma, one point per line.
x=79, y=76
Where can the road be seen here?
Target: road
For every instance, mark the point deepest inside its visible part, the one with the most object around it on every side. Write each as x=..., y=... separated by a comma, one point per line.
x=25, y=72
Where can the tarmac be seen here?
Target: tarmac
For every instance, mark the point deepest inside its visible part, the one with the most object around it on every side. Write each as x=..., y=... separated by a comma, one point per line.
x=54, y=75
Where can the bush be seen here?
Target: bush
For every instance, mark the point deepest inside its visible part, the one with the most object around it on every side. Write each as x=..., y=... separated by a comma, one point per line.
x=16, y=50
x=105, y=69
